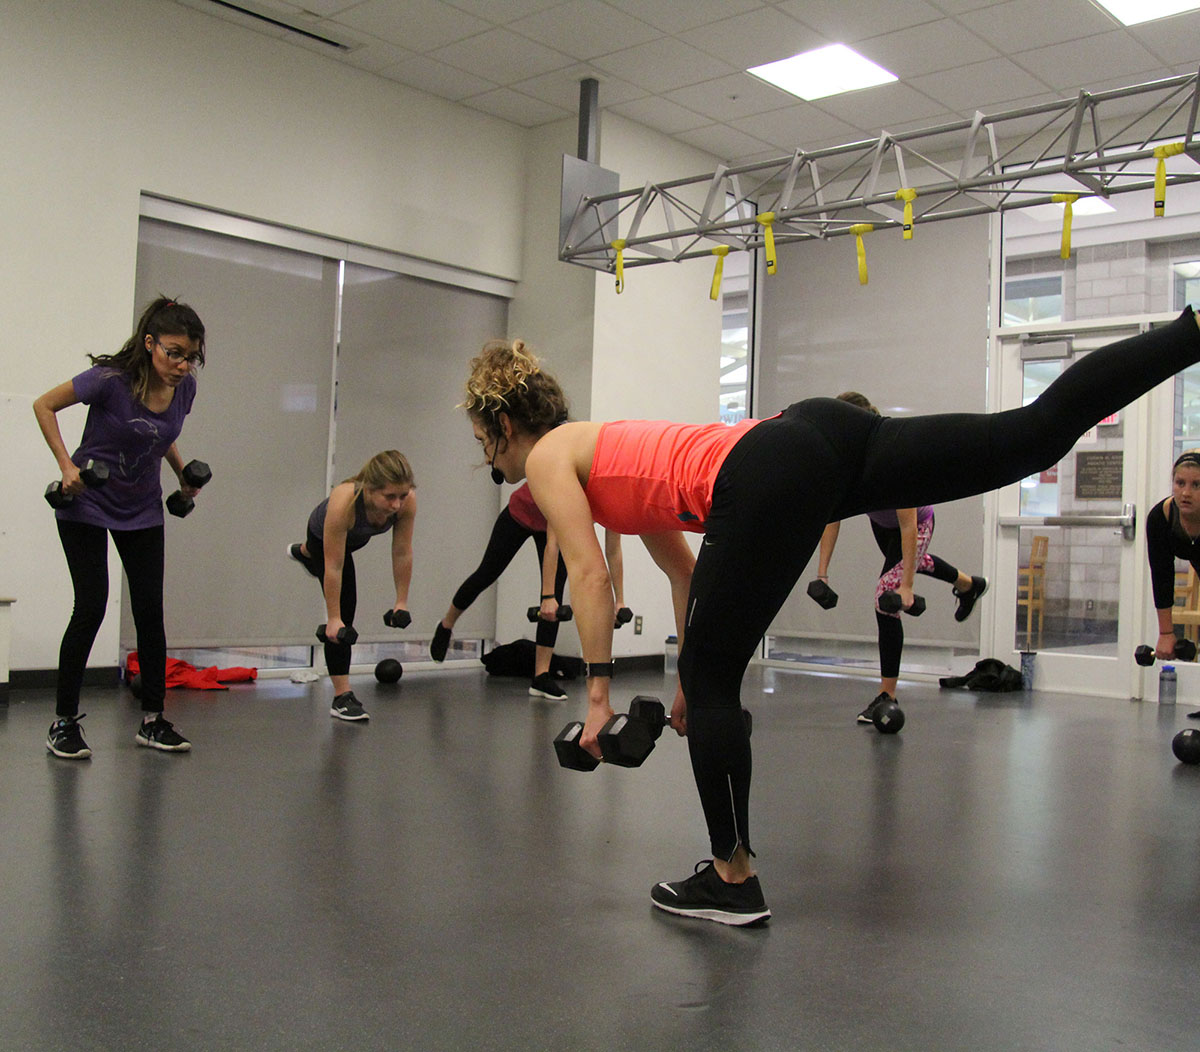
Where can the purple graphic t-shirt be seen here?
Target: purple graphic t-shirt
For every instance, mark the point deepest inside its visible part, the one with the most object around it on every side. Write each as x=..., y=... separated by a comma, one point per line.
x=131, y=440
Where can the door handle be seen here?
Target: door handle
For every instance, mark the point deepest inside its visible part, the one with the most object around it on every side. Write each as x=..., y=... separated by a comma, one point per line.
x=1126, y=521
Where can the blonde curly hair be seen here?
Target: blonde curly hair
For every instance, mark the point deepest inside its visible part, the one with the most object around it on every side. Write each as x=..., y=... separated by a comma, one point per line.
x=507, y=378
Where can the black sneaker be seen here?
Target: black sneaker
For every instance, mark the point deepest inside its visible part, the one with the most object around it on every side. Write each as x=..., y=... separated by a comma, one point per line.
x=161, y=734
x=294, y=552
x=440, y=642
x=868, y=714
x=966, y=600
x=706, y=896
x=1194, y=715
x=348, y=707
x=544, y=686
x=66, y=740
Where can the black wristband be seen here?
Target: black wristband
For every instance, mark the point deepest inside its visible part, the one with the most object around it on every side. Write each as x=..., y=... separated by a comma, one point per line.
x=599, y=668
x=550, y=596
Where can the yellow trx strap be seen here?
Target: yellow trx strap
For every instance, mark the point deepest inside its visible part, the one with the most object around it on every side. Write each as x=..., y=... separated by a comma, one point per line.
x=766, y=220
x=908, y=196
x=1066, y=200
x=1160, y=174
x=721, y=251
x=619, y=245
x=858, y=230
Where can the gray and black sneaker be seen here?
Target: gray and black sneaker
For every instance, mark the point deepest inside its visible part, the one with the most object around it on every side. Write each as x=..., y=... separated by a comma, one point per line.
x=545, y=686
x=294, y=552
x=348, y=707
x=161, y=734
x=966, y=600
x=66, y=740
x=440, y=642
x=868, y=714
x=706, y=896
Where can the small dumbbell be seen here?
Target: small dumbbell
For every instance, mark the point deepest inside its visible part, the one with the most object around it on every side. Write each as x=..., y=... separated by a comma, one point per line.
x=397, y=618
x=197, y=475
x=1185, y=650
x=345, y=634
x=624, y=616
x=820, y=592
x=891, y=603
x=572, y=755
x=627, y=739
x=93, y=475
x=565, y=613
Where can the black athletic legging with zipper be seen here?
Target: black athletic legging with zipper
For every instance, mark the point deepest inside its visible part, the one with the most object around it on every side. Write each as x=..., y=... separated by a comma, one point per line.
x=823, y=460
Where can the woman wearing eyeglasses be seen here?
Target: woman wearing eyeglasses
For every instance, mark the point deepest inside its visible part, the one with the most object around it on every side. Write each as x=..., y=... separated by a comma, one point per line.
x=137, y=400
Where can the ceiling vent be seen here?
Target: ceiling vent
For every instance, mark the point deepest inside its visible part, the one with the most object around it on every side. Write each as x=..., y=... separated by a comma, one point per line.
x=276, y=21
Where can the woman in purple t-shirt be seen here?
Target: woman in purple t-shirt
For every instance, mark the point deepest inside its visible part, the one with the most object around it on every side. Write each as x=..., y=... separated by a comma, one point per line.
x=137, y=400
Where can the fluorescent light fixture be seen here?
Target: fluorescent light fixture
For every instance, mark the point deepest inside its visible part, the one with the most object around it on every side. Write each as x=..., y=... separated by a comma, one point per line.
x=1053, y=213
x=826, y=71
x=1133, y=12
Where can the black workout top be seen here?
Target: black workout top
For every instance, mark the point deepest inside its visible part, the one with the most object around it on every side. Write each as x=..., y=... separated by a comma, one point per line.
x=1166, y=541
x=358, y=535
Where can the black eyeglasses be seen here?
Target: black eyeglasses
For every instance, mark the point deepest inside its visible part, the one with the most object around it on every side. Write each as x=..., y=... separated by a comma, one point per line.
x=177, y=356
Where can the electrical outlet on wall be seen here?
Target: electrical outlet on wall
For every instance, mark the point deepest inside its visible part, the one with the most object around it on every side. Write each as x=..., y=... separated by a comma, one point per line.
x=637, y=625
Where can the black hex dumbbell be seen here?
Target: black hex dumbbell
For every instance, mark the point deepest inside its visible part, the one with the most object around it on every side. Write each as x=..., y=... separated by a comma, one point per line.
x=345, y=634
x=572, y=755
x=891, y=603
x=822, y=594
x=565, y=613
x=397, y=618
x=1185, y=650
x=624, y=616
x=92, y=473
x=627, y=739
x=196, y=474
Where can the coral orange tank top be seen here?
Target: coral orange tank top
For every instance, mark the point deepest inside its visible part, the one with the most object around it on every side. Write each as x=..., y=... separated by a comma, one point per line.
x=651, y=476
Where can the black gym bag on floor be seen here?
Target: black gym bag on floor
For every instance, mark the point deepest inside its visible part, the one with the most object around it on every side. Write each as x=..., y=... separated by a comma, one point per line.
x=989, y=674
x=516, y=659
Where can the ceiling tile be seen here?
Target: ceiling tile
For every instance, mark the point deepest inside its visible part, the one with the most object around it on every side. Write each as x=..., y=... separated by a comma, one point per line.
x=1080, y=63
x=729, y=144
x=664, y=64
x=675, y=16
x=501, y=12
x=800, y=126
x=418, y=25
x=501, y=56
x=419, y=71
x=661, y=114
x=585, y=29
x=1002, y=25
x=926, y=48
x=1172, y=40
x=753, y=38
x=877, y=108
x=512, y=106
x=983, y=86
x=732, y=97
x=321, y=8
x=843, y=22
x=560, y=87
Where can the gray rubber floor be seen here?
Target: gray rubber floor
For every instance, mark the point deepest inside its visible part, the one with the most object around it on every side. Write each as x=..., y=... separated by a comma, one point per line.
x=1010, y=872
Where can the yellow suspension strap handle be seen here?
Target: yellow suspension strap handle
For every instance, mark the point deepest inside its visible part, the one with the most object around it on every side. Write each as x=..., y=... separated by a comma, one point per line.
x=1161, y=153
x=721, y=251
x=1066, y=200
x=619, y=245
x=858, y=230
x=908, y=196
x=767, y=220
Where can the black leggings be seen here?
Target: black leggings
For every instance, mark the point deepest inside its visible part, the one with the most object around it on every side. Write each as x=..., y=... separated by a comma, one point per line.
x=824, y=460
x=507, y=537
x=142, y=556
x=891, y=628
x=337, y=655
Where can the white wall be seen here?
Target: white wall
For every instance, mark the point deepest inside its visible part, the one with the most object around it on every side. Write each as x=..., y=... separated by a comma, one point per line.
x=107, y=99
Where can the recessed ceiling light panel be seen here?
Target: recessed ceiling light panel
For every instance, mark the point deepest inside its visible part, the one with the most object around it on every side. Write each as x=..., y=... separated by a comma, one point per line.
x=1133, y=12
x=826, y=71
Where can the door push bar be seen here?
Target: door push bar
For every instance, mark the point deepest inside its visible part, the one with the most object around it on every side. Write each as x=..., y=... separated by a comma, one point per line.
x=1126, y=521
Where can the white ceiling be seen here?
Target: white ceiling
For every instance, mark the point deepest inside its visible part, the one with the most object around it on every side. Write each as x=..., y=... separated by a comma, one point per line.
x=676, y=65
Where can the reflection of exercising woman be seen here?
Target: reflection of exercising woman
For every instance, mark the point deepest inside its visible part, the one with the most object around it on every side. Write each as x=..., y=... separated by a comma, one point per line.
x=378, y=499
x=761, y=492
x=519, y=521
x=1173, y=532
x=903, y=535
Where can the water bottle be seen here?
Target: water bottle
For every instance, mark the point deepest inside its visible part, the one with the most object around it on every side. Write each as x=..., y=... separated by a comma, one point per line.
x=1166, y=685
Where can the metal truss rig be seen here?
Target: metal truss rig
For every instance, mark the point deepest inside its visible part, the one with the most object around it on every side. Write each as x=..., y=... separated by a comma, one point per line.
x=1004, y=161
